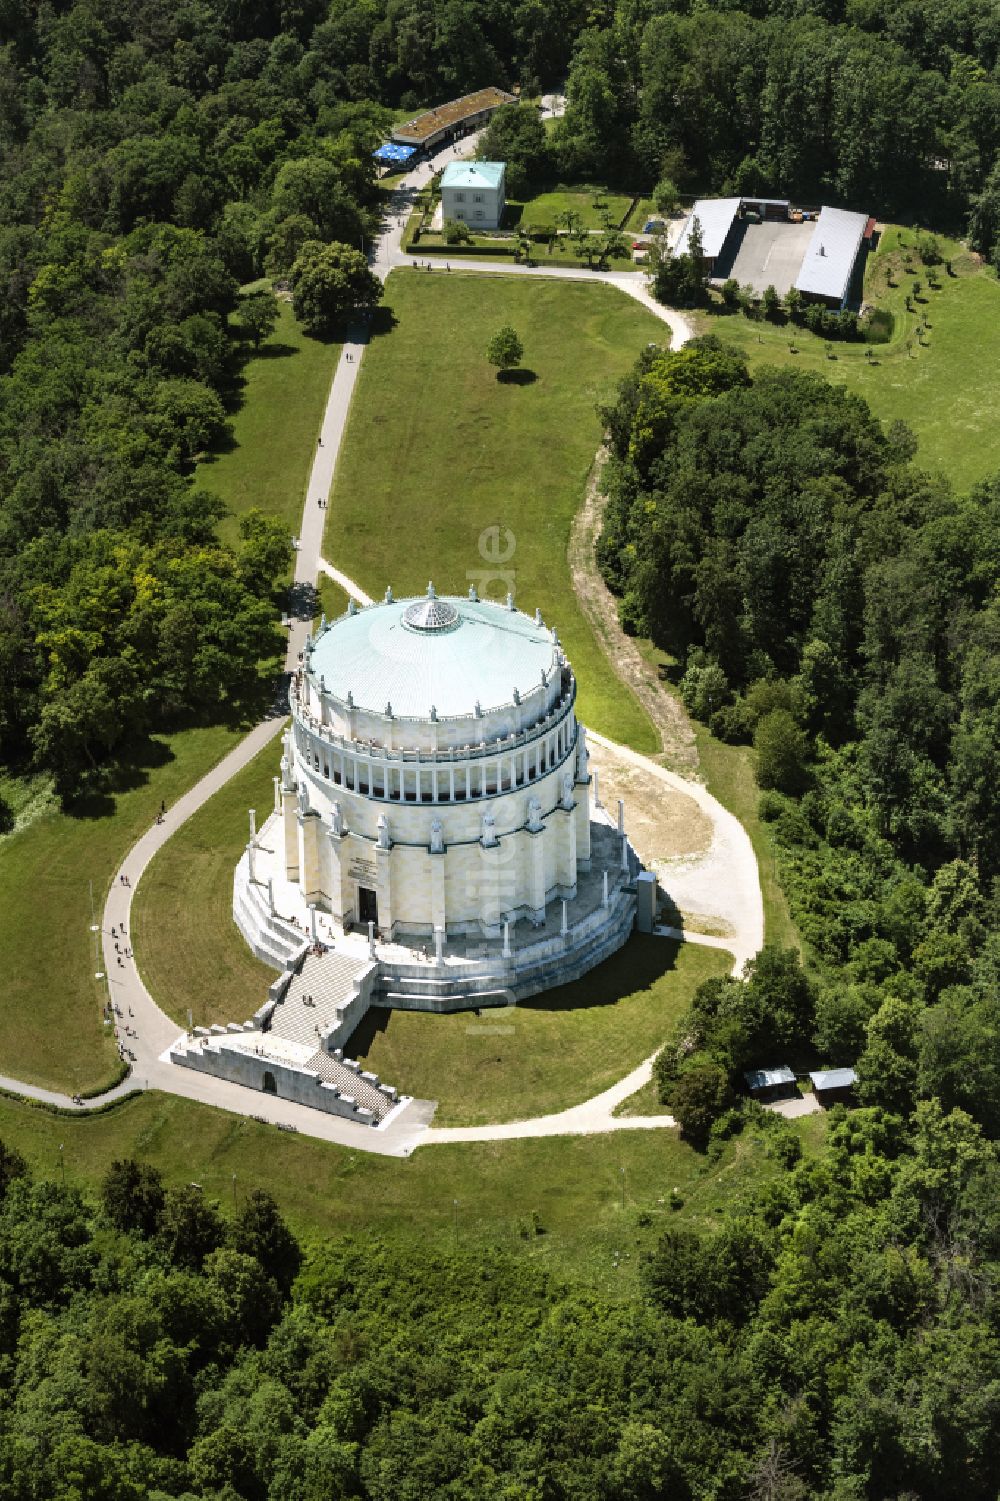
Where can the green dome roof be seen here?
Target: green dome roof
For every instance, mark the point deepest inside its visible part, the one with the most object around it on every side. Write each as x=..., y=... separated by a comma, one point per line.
x=447, y=654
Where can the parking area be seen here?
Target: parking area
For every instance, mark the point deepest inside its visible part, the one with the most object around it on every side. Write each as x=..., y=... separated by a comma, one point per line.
x=768, y=254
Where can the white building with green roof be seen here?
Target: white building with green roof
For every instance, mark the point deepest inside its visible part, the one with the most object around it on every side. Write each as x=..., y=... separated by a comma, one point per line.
x=435, y=802
x=474, y=193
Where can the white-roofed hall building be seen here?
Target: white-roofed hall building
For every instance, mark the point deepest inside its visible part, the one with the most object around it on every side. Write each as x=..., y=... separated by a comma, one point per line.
x=828, y=265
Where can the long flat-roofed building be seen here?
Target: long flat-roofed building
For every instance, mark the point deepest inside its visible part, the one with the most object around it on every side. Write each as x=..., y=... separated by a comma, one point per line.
x=831, y=256
x=448, y=121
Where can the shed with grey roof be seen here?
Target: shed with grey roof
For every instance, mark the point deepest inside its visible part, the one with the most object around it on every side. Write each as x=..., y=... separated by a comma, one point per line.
x=829, y=262
x=831, y=1083
x=717, y=219
x=762, y=1081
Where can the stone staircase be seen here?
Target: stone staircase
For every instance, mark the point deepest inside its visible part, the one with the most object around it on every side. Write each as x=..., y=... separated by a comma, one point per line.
x=272, y=939
x=324, y=1000
x=348, y=1077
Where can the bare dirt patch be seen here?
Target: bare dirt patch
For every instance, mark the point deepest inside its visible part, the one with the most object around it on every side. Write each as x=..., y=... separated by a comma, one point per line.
x=598, y=605
x=663, y=825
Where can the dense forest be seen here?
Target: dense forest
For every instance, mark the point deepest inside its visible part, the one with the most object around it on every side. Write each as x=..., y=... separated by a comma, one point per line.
x=153, y=160
x=837, y=1341
x=837, y=607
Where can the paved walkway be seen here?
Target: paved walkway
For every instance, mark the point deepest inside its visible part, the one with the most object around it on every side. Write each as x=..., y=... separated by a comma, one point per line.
x=350, y=588
x=146, y=1032
x=588, y=1119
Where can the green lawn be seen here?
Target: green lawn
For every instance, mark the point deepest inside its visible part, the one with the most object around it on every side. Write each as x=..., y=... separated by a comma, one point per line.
x=282, y=396
x=333, y=600
x=551, y=1052
x=574, y=1184
x=190, y=952
x=439, y=453
x=945, y=388
x=52, y=1031
x=645, y=1101
x=545, y=208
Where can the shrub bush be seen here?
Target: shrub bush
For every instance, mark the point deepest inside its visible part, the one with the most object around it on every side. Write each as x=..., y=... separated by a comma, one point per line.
x=704, y=688
x=782, y=751
x=877, y=327
x=929, y=250
x=700, y=1094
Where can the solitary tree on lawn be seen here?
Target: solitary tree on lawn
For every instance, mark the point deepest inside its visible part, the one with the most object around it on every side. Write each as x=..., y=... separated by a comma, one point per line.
x=505, y=350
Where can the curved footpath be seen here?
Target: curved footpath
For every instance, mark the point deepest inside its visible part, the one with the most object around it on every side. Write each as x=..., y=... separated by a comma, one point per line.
x=145, y=1031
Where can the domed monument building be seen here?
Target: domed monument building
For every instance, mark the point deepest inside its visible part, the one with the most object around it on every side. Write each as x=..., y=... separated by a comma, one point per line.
x=435, y=778
x=434, y=842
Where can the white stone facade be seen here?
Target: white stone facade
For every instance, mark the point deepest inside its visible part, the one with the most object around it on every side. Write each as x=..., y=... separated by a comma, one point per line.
x=455, y=822
x=474, y=193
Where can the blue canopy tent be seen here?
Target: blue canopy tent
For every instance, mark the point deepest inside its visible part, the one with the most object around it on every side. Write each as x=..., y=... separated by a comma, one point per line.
x=391, y=155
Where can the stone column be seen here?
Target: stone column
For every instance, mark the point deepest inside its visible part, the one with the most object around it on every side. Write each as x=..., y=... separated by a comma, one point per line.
x=383, y=888
x=289, y=815
x=489, y=890
x=536, y=856
x=338, y=846
x=277, y=794
x=566, y=829
x=581, y=816
x=439, y=914
x=310, y=876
